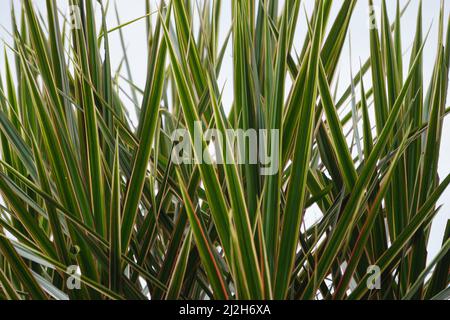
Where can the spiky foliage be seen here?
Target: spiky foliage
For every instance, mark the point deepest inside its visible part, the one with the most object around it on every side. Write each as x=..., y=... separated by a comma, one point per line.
x=82, y=187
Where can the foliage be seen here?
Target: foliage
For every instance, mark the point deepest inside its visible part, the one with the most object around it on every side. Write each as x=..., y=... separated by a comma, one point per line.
x=83, y=187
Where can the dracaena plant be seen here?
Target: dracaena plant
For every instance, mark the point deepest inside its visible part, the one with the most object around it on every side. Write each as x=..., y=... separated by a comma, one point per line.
x=94, y=206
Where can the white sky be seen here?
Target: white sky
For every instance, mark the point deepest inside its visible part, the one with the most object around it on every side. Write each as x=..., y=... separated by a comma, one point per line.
x=136, y=44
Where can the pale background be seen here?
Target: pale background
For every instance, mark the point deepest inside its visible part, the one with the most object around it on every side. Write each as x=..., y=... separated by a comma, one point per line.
x=135, y=38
